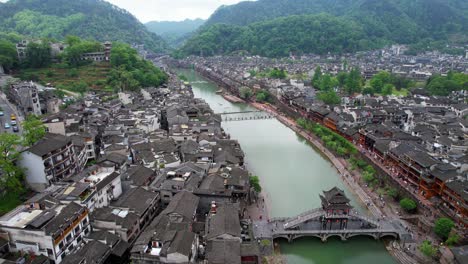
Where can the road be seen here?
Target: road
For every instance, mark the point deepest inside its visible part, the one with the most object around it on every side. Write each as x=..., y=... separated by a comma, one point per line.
x=7, y=108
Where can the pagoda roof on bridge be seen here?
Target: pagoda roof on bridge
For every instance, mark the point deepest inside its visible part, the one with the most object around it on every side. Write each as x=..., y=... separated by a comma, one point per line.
x=334, y=197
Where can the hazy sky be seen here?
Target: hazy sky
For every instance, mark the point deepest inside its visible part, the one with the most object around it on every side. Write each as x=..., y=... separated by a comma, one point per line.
x=172, y=10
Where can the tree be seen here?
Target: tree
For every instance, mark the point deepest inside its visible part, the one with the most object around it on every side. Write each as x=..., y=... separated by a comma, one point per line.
x=452, y=239
x=329, y=97
x=263, y=96
x=327, y=83
x=428, y=249
x=33, y=130
x=245, y=92
x=408, y=205
x=368, y=90
x=376, y=84
x=8, y=56
x=393, y=192
x=277, y=74
x=353, y=82
x=341, y=77
x=387, y=89
x=317, y=77
x=12, y=175
x=38, y=54
x=255, y=183
x=443, y=226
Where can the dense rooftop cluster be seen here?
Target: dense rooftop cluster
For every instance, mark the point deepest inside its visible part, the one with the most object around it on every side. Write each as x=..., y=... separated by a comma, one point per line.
x=149, y=176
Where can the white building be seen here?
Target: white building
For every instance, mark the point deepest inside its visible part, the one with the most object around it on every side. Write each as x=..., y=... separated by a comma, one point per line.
x=46, y=228
x=51, y=159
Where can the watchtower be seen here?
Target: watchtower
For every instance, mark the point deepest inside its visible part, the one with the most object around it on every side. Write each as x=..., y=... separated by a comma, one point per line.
x=337, y=208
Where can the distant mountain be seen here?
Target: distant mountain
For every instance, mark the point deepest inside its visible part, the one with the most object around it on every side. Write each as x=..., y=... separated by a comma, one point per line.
x=376, y=22
x=175, y=32
x=92, y=19
x=178, y=28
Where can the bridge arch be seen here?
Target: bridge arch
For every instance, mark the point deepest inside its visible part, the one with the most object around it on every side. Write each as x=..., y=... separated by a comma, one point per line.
x=282, y=237
x=393, y=235
x=372, y=235
x=326, y=236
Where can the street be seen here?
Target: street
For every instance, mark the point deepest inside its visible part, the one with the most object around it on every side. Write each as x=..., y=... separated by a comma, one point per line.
x=7, y=108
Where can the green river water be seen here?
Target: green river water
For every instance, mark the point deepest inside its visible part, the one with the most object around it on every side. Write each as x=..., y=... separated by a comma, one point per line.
x=292, y=174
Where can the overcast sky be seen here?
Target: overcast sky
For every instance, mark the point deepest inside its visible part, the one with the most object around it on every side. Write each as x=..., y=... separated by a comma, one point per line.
x=171, y=10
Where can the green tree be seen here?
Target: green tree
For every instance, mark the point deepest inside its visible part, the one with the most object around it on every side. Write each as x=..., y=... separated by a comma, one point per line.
x=327, y=82
x=33, y=130
x=263, y=96
x=353, y=82
x=12, y=175
x=329, y=97
x=8, y=56
x=245, y=92
x=452, y=240
x=38, y=54
x=408, y=205
x=368, y=90
x=278, y=73
x=341, y=77
x=317, y=77
x=393, y=192
x=376, y=84
x=255, y=183
x=428, y=249
x=387, y=89
x=443, y=226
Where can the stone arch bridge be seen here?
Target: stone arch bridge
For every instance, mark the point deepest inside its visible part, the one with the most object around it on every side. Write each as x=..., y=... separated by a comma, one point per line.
x=318, y=223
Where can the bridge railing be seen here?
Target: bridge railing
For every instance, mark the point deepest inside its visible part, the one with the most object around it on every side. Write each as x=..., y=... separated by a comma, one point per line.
x=301, y=218
x=335, y=231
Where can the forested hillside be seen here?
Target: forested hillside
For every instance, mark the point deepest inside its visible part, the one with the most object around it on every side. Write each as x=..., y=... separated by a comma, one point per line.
x=373, y=23
x=308, y=34
x=91, y=19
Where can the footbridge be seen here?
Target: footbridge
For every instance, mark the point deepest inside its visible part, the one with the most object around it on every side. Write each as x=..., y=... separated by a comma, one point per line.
x=244, y=115
x=321, y=224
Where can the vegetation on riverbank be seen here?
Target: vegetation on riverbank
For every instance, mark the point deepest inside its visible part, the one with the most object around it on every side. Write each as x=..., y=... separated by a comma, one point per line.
x=255, y=183
x=332, y=141
x=343, y=148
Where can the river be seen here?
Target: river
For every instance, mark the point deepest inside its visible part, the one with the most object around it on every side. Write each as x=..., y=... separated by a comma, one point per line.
x=292, y=174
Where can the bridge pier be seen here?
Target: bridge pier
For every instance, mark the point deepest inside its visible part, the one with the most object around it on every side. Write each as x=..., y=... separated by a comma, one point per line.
x=324, y=238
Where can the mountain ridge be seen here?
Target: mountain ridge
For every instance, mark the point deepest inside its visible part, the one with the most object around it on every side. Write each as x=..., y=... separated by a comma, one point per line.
x=378, y=22
x=92, y=19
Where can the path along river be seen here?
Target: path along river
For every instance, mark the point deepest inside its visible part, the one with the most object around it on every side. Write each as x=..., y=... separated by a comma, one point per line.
x=292, y=174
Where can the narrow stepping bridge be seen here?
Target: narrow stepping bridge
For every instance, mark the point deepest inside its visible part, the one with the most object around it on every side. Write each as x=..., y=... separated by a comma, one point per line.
x=334, y=218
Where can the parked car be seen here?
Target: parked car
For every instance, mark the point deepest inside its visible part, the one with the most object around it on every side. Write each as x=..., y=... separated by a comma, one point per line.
x=13, y=122
x=7, y=126
x=15, y=129
x=1, y=113
x=13, y=117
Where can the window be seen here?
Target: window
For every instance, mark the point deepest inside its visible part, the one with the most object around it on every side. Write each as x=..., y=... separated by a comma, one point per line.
x=50, y=252
x=61, y=245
